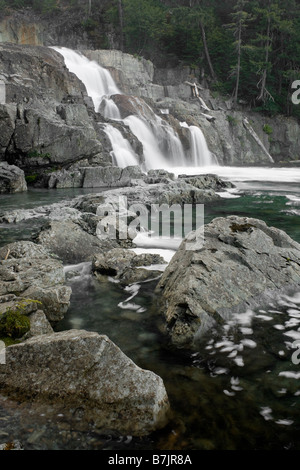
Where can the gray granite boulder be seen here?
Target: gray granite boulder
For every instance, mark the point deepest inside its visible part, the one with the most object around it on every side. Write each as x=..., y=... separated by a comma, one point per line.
x=47, y=119
x=70, y=243
x=111, y=176
x=126, y=266
x=241, y=264
x=83, y=369
x=28, y=271
x=12, y=179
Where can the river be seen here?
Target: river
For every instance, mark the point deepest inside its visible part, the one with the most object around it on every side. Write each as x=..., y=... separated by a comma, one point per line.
x=239, y=391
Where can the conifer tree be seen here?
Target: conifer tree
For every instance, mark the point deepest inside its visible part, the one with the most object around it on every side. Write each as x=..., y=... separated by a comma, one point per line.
x=240, y=19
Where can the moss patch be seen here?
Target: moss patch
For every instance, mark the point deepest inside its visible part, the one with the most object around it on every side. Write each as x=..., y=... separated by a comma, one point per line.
x=14, y=323
x=241, y=227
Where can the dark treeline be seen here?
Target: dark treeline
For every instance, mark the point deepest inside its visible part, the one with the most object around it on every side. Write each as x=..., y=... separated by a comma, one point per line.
x=247, y=49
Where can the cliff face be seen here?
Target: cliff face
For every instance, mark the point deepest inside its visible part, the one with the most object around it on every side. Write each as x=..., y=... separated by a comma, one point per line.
x=235, y=137
x=66, y=28
x=47, y=120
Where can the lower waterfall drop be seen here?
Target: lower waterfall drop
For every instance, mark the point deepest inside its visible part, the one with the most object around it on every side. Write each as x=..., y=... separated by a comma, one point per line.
x=123, y=153
x=200, y=154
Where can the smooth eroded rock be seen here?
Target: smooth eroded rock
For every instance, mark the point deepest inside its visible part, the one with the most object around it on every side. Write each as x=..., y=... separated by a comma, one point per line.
x=241, y=264
x=67, y=240
x=12, y=179
x=126, y=266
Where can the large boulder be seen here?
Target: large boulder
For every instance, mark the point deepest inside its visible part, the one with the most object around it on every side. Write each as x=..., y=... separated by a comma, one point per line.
x=28, y=271
x=67, y=240
x=12, y=179
x=86, y=370
x=241, y=263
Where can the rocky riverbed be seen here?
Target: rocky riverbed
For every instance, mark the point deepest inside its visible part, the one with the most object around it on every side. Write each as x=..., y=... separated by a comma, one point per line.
x=51, y=137
x=33, y=286
x=242, y=260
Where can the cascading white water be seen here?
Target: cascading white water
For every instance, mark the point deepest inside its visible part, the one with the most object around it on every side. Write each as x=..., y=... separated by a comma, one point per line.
x=161, y=144
x=122, y=150
x=200, y=154
x=154, y=158
x=109, y=109
x=97, y=80
x=172, y=146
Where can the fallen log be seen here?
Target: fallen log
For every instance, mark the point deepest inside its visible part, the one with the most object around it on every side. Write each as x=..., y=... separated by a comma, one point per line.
x=252, y=132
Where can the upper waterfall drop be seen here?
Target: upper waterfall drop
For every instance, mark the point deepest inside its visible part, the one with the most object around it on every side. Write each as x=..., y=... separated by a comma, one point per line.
x=97, y=80
x=162, y=146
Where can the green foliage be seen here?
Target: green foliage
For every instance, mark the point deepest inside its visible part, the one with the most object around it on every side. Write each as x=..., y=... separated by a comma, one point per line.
x=232, y=120
x=36, y=154
x=89, y=24
x=14, y=323
x=30, y=179
x=268, y=129
x=3, y=5
x=40, y=6
x=146, y=24
x=253, y=46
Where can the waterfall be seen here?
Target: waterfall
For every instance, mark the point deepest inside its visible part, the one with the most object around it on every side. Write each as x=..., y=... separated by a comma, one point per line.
x=154, y=158
x=97, y=80
x=200, y=154
x=109, y=109
x=161, y=145
x=122, y=151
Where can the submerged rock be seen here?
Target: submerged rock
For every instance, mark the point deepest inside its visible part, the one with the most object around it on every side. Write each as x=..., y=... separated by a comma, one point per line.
x=241, y=263
x=86, y=370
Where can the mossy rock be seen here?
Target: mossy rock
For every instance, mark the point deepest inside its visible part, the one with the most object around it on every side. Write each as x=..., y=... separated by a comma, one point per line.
x=9, y=341
x=241, y=227
x=14, y=324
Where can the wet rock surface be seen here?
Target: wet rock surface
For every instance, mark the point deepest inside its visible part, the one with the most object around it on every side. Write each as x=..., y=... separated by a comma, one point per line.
x=126, y=266
x=46, y=123
x=84, y=368
x=70, y=243
x=12, y=179
x=241, y=263
x=27, y=271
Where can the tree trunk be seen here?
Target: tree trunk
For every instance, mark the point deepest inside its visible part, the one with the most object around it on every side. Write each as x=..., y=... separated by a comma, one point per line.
x=238, y=71
x=263, y=91
x=206, y=51
x=121, y=20
x=90, y=8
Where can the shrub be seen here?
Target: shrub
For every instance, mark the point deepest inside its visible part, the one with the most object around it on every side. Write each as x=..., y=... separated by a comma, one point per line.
x=268, y=129
x=231, y=120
